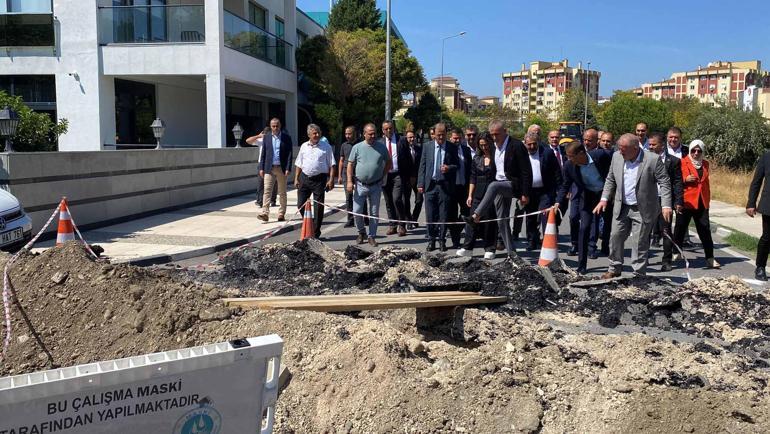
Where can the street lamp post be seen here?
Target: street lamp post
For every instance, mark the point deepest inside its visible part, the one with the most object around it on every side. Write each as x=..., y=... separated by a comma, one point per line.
x=158, y=128
x=387, y=64
x=585, y=107
x=237, y=134
x=9, y=121
x=441, y=78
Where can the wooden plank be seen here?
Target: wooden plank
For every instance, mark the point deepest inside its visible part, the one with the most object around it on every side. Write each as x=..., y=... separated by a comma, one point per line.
x=358, y=302
x=243, y=301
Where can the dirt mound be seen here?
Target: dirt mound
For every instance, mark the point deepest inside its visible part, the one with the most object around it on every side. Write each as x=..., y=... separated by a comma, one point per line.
x=560, y=355
x=71, y=309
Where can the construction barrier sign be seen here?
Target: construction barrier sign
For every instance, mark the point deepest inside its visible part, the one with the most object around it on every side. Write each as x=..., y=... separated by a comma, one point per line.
x=229, y=387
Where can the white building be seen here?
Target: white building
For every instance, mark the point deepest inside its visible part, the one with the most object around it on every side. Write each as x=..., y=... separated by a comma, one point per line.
x=111, y=66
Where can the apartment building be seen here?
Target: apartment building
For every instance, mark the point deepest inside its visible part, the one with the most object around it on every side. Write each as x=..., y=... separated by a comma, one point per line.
x=540, y=88
x=112, y=66
x=719, y=81
x=448, y=91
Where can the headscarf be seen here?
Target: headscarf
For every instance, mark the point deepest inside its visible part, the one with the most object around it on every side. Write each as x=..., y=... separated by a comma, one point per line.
x=697, y=161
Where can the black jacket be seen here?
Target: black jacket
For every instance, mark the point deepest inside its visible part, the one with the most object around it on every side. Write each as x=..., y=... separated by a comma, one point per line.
x=406, y=166
x=517, y=168
x=425, y=173
x=761, y=174
x=482, y=176
x=550, y=171
x=601, y=158
x=674, y=169
x=287, y=150
x=468, y=162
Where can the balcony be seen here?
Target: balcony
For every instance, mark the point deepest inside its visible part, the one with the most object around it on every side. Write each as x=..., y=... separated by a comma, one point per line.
x=151, y=24
x=26, y=30
x=245, y=37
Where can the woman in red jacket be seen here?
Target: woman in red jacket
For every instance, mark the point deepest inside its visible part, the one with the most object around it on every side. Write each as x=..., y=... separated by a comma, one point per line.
x=697, y=196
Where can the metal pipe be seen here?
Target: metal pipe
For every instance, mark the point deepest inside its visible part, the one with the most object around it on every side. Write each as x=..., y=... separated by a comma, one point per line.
x=387, y=64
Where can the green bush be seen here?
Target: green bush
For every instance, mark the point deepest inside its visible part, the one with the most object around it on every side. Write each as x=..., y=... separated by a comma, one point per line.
x=733, y=137
x=36, y=132
x=621, y=114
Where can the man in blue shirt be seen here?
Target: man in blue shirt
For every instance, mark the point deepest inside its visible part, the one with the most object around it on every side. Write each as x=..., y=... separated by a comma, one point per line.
x=276, y=156
x=587, y=170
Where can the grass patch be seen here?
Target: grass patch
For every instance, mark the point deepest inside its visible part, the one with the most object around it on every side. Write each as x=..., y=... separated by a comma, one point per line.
x=730, y=186
x=742, y=241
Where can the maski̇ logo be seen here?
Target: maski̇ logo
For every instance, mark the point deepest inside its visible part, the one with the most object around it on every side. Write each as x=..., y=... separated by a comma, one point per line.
x=204, y=419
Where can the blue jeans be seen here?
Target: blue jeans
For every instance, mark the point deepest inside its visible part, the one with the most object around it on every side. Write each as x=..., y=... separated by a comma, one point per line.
x=361, y=195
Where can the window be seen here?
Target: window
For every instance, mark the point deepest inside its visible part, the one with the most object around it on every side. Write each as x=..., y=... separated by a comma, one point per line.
x=37, y=91
x=280, y=28
x=549, y=94
x=257, y=15
x=26, y=6
x=26, y=25
x=134, y=112
x=692, y=87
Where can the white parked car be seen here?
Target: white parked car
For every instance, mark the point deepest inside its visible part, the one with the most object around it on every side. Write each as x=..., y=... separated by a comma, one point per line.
x=15, y=224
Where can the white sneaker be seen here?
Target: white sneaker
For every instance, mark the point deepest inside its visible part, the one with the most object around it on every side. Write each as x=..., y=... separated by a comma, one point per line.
x=463, y=252
x=489, y=255
x=676, y=257
x=712, y=263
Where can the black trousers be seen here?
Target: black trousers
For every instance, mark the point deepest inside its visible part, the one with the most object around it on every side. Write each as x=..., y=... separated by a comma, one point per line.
x=518, y=222
x=668, y=246
x=459, y=208
x=539, y=199
x=394, y=198
x=315, y=185
x=588, y=223
x=764, y=242
x=606, y=227
x=701, y=218
x=438, y=200
x=414, y=215
x=487, y=232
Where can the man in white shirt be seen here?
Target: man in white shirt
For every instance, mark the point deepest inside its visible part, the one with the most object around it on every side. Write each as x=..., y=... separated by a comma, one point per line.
x=393, y=189
x=633, y=182
x=315, y=173
x=546, y=178
x=674, y=142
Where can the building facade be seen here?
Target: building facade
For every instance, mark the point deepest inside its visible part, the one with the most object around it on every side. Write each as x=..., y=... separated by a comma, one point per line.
x=112, y=66
x=540, y=88
x=718, y=82
x=447, y=90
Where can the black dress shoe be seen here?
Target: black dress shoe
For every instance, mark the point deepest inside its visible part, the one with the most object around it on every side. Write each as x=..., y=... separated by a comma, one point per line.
x=666, y=267
x=500, y=246
x=431, y=246
x=760, y=274
x=442, y=246
x=532, y=245
x=350, y=224
x=581, y=271
x=593, y=254
x=572, y=251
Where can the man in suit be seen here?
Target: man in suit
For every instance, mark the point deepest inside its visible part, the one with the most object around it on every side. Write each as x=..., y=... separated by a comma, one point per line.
x=761, y=175
x=394, y=182
x=518, y=222
x=675, y=146
x=674, y=170
x=633, y=182
x=512, y=181
x=584, y=172
x=274, y=166
x=641, y=134
x=436, y=180
x=460, y=208
x=546, y=177
x=471, y=134
x=410, y=151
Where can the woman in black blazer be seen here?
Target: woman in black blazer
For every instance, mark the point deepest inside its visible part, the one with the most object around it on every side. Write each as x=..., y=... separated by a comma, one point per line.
x=761, y=175
x=483, y=173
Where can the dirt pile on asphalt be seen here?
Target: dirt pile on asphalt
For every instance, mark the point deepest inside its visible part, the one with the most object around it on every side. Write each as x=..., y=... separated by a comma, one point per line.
x=560, y=355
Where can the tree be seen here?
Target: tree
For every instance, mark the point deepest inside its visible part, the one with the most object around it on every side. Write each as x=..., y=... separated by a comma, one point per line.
x=36, y=131
x=733, y=137
x=351, y=15
x=621, y=114
x=346, y=69
x=426, y=113
x=458, y=119
x=510, y=117
x=685, y=111
x=572, y=108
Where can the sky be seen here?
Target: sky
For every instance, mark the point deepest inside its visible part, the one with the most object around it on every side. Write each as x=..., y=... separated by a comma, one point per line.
x=629, y=42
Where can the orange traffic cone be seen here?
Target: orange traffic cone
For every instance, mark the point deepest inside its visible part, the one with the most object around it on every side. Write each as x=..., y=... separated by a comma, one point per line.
x=549, y=252
x=66, y=230
x=308, y=231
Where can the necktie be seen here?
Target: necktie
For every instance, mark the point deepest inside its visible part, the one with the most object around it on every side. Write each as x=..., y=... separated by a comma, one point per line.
x=412, y=149
x=558, y=157
x=437, y=163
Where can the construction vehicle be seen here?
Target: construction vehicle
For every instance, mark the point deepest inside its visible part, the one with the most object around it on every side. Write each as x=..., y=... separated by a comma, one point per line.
x=571, y=129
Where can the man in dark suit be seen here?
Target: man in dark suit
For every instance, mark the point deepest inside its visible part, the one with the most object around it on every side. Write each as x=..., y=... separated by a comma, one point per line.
x=460, y=207
x=657, y=145
x=586, y=170
x=546, y=178
x=761, y=175
x=395, y=183
x=274, y=166
x=409, y=153
x=512, y=181
x=436, y=180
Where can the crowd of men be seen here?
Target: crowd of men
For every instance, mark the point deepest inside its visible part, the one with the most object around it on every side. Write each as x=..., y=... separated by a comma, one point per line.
x=488, y=186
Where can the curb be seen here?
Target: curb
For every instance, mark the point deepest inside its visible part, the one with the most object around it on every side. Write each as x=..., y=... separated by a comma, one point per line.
x=145, y=261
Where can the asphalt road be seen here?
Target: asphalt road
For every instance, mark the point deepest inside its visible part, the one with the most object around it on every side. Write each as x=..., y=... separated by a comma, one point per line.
x=338, y=237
